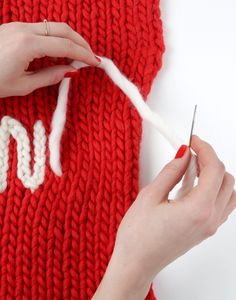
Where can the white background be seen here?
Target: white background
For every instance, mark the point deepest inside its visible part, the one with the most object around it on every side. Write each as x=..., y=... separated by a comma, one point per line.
x=199, y=66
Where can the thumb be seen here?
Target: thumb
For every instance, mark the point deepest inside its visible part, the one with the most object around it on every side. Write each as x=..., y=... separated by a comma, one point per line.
x=45, y=77
x=171, y=174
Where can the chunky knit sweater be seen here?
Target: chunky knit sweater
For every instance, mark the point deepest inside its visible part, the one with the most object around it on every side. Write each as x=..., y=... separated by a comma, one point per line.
x=56, y=239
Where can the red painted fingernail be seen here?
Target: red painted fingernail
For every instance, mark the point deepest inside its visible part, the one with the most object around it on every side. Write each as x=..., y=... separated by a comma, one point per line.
x=181, y=151
x=71, y=74
x=98, y=58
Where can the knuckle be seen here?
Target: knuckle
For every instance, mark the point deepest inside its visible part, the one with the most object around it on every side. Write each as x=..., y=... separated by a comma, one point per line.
x=210, y=230
x=230, y=179
x=202, y=216
x=171, y=168
x=220, y=167
x=66, y=27
x=205, y=147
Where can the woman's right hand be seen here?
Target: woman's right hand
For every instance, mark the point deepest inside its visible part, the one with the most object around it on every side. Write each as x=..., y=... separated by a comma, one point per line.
x=154, y=231
x=21, y=43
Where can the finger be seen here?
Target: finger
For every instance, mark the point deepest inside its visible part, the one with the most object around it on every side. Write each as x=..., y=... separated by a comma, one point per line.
x=211, y=171
x=60, y=47
x=224, y=195
x=169, y=176
x=204, y=151
x=57, y=29
x=231, y=205
x=43, y=77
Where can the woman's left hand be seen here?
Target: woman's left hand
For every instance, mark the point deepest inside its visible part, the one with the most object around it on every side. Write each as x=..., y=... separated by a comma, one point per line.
x=21, y=43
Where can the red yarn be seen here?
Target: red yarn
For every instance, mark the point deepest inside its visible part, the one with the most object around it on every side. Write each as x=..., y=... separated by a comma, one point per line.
x=56, y=243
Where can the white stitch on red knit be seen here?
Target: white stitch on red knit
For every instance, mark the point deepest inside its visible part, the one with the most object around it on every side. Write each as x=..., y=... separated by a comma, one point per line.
x=29, y=179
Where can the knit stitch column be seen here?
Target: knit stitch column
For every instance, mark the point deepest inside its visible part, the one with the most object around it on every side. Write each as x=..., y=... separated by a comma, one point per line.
x=56, y=242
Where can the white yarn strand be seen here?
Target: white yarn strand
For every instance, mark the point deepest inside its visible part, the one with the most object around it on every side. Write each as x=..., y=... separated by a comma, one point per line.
x=132, y=92
x=58, y=123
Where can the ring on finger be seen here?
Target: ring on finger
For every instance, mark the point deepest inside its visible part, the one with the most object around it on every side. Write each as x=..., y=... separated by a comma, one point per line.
x=46, y=27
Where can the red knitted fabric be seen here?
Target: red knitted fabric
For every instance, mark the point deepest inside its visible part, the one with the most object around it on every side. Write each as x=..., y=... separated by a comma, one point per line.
x=56, y=243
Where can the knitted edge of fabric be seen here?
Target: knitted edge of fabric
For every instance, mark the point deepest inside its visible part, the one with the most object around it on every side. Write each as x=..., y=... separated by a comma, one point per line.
x=56, y=242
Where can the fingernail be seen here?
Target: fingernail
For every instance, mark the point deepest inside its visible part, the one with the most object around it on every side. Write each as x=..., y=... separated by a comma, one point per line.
x=181, y=151
x=98, y=59
x=71, y=74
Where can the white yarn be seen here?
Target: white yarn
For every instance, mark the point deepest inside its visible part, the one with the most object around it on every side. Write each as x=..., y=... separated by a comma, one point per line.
x=10, y=126
x=132, y=92
x=58, y=122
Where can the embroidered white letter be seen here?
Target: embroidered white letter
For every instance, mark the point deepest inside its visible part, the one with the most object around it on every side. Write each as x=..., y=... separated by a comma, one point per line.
x=10, y=126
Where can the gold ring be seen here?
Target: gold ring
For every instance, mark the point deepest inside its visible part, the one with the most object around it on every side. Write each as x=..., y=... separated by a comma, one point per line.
x=46, y=26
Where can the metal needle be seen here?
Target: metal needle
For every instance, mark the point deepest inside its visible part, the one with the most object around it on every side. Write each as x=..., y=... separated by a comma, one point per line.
x=193, y=121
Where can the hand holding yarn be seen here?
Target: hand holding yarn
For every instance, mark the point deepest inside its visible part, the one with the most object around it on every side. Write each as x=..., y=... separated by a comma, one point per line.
x=155, y=231
x=21, y=43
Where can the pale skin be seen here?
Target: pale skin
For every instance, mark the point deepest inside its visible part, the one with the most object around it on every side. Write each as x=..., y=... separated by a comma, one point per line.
x=22, y=42
x=154, y=232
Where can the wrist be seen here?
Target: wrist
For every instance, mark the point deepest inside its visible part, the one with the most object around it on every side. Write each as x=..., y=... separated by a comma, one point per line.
x=123, y=280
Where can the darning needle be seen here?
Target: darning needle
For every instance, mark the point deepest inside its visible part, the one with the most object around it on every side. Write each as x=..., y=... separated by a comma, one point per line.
x=193, y=121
